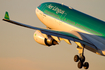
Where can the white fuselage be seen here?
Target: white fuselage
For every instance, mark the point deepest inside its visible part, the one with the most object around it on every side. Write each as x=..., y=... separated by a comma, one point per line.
x=56, y=24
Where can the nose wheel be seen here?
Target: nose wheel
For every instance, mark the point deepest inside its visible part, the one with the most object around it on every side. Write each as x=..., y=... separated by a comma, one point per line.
x=81, y=62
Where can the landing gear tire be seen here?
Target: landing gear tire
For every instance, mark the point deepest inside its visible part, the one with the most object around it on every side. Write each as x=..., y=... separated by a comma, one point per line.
x=86, y=65
x=76, y=58
x=80, y=64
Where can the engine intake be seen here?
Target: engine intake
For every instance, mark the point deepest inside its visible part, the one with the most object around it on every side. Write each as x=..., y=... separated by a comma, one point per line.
x=44, y=39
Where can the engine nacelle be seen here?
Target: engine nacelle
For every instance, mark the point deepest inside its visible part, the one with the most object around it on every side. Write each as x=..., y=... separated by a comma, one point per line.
x=44, y=39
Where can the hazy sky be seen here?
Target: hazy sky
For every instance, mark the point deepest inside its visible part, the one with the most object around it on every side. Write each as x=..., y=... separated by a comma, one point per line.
x=19, y=51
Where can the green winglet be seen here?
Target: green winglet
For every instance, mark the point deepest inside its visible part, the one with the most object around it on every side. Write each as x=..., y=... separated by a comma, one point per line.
x=6, y=15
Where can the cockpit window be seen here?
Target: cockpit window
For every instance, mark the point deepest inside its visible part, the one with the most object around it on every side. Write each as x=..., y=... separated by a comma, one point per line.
x=39, y=6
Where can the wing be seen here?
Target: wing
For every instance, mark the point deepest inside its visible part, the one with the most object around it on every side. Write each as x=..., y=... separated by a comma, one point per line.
x=61, y=34
x=96, y=40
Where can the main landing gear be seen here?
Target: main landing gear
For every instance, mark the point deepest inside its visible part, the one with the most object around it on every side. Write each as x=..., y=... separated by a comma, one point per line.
x=81, y=62
x=81, y=59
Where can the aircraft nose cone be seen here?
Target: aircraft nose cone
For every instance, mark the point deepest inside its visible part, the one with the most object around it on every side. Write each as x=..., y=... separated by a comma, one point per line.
x=37, y=11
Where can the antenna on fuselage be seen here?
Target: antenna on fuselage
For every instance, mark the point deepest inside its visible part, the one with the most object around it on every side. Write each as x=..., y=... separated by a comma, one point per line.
x=70, y=7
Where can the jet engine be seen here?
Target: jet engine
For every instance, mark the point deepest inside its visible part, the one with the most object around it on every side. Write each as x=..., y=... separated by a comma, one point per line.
x=44, y=39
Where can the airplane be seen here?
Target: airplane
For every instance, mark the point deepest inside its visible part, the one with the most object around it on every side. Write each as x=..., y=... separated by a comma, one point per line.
x=65, y=23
